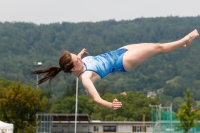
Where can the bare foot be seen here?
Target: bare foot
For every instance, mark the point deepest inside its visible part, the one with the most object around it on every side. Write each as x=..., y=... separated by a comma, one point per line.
x=190, y=37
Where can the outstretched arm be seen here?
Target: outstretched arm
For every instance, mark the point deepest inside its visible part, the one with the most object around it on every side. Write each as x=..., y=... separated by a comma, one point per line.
x=83, y=53
x=87, y=83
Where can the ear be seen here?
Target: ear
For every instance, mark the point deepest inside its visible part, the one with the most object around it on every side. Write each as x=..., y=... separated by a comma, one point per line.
x=73, y=69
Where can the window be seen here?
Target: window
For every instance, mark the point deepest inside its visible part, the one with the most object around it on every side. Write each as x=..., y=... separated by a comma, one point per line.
x=96, y=129
x=109, y=128
x=137, y=128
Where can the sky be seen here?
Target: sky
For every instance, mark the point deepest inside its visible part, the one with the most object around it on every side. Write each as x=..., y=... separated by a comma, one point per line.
x=53, y=11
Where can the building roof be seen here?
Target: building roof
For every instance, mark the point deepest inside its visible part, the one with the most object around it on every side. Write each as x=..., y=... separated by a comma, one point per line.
x=70, y=117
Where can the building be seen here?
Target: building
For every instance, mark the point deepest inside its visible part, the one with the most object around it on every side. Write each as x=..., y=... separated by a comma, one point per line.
x=151, y=94
x=64, y=123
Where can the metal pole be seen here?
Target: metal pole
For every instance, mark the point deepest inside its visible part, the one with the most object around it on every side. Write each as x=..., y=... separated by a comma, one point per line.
x=171, y=118
x=76, y=105
x=37, y=64
x=37, y=81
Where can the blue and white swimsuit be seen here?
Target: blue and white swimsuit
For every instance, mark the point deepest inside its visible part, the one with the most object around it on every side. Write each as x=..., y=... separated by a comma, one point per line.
x=105, y=64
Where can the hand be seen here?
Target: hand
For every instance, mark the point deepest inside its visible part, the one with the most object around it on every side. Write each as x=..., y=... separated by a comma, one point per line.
x=84, y=52
x=116, y=104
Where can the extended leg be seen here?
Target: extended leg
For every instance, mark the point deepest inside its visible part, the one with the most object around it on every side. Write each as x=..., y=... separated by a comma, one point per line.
x=138, y=53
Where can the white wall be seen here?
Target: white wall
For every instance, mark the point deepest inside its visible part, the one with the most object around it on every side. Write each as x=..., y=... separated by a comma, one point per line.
x=89, y=127
x=124, y=128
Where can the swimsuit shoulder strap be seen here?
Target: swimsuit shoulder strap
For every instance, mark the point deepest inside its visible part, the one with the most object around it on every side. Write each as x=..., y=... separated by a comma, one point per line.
x=83, y=71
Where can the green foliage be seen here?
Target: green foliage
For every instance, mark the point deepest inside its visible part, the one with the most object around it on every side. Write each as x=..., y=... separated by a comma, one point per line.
x=19, y=105
x=177, y=101
x=24, y=43
x=134, y=106
x=71, y=90
x=4, y=83
x=67, y=105
x=47, y=93
x=187, y=115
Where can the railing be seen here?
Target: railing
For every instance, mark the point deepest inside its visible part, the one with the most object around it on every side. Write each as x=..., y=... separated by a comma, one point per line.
x=101, y=132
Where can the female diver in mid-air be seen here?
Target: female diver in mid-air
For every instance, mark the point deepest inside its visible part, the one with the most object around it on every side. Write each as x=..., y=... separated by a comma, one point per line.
x=92, y=68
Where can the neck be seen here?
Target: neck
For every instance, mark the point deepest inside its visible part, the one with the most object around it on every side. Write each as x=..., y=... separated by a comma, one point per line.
x=77, y=72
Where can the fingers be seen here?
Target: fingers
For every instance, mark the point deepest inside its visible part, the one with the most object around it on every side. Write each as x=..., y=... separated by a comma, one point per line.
x=84, y=52
x=84, y=49
x=116, y=104
x=115, y=100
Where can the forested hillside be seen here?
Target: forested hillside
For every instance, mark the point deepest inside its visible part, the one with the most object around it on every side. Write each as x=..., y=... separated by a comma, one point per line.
x=21, y=44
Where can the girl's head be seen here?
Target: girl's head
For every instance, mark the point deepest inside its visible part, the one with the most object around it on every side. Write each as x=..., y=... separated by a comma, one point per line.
x=66, y=64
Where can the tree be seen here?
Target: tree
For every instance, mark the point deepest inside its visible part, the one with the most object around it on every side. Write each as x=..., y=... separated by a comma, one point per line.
x=187, y=115
x=134, y=106
x=71, y=90
x=4, y=83
x=19, y=105
x=177, y=101
x=67, y=105
x=48, y=93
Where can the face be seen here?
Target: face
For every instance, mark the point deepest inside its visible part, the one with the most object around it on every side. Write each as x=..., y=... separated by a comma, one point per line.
x=77, y=62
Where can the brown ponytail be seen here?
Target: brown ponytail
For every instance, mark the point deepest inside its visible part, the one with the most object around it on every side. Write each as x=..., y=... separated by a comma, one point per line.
x=66, y=64
x=51, y=73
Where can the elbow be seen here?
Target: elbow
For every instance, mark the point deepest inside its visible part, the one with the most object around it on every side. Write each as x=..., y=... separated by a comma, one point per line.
x=97, y=99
